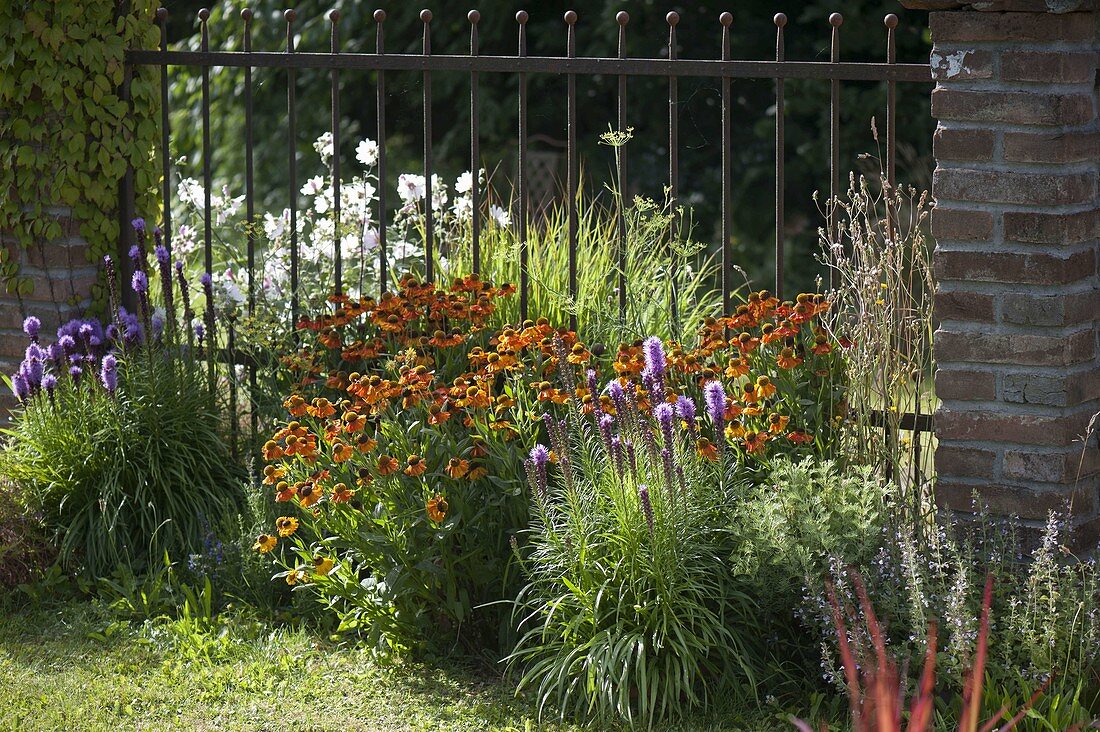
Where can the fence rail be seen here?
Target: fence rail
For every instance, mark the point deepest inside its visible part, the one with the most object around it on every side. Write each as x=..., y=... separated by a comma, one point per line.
x=522, y=65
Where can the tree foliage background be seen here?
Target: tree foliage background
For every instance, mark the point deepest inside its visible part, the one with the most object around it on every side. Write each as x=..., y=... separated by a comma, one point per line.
x=863, y=38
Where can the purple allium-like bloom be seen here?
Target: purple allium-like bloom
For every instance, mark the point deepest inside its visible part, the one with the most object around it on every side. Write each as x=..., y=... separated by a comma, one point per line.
x=109, y=373
x=140, y=283
x=655, y=362
x=206, y=280
x=135, y=254
x=34, y=352
x=31, y=326
x=138, y=224
x=647, y=507
x=19, y=387
x=161, y=253
x=67, y=344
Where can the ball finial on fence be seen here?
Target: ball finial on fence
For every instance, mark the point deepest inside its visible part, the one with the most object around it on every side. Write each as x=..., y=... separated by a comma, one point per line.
x=780, y=20
x=161, y=15
x=379, y=15
x=672, y=18
x=246, y=15
x=333, y=15
x=570, y=17
x=426, y=15
x=622, y=17
x=726, y=19
x=473, y=16
x=290, y=15
x=890, y=21
x=204, y=14
x=521, y=17
x=836, y=19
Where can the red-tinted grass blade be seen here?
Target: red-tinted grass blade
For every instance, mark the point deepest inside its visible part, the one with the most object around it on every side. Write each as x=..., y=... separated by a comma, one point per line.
x=846, y=658
x=920, y=711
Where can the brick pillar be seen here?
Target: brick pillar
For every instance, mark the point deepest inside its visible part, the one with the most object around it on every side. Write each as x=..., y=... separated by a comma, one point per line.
x=1016, y=223
x=62, y=279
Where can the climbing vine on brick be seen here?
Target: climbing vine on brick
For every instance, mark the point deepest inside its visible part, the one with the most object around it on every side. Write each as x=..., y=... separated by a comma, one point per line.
x=66, y=133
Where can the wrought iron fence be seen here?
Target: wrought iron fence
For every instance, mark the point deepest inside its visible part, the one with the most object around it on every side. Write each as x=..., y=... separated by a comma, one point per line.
x=522, y=65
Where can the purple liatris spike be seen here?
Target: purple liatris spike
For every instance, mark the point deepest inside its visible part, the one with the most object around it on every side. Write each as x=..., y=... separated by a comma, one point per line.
x=540, y=457
x=33, y=371
x=156, y=325
x=136, y=255
x=31, y=326
x=631, y=456
x=590, y=379
x=19, y=387
x=140, y=283
x=206, y=280
x=715, y=395
x=161, y=253
x=686, y=408
x=67, y=344
x=617, y=456
x=618, y=397
x=655, y=361
x=49, y=383
x=647, y=507
x=34, y=352
x=666, y=418
x=668, y=466
x=138, y=224
x=200, y=330
x=75, y=372
x=108, y=373
x=605, y=423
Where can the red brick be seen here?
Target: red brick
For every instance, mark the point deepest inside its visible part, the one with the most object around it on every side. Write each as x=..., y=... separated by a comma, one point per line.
x=967, y=462
x=60, y=289
x=964, y=27
x=1006, y=500
x=1009, y=426
x=1032, y=227
x=53, y=256
x=1053, y=66
x=961, y=225
x=961, y=144
x=13, y=344
x=997, y=186
x=1051, y=147
x=972, y=307
x=1058, y=390
x=961, y=64
x=1053, y=310
x=1014, y=348
x=1063, y=466
x=1015, y=267
x=965, y=384
x=1012, y=107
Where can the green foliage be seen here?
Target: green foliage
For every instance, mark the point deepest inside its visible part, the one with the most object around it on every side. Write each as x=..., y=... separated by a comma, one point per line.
x=69, y=133
x=124, y=478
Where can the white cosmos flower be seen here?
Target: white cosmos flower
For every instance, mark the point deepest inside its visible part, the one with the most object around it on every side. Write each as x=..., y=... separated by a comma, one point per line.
x=323, y=146
x=366, y=152
x=274, y=228
x=502, y=217
x=410, y=187
x=464, y=182
x=313, y=186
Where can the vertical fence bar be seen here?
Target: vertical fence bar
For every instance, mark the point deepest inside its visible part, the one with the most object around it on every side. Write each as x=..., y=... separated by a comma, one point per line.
x=475, y=154
x=250, y=214
x=338, y=255
x=380, y=102
x=524, y=246
x=726, y=19
x=571, y=164
x=292, y=165
x=673, y=19
x=892, y=431
x=165, y=153
x=622, y=18
x=207, y=243
x=835, y=20
x=429, y=219
x=126, y=204
x=891, y=22
x=780, y=21
x=234, y=422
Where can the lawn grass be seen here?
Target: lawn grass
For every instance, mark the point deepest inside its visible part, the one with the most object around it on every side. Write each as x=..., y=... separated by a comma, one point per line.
x=72, y=666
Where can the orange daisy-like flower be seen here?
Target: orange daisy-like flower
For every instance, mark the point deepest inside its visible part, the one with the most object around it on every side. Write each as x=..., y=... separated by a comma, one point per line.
x=821, y=345
x=457, y=467
x=787, y=359
x=706, y=449
x=296, y=405
x=476, y=472
x=415, y=466
x=341, y=493
x=272, y=451
x=264, y=543
x=321, y=408
x=354, y=422
x=764, y=387
x=777, y=422
x=578, y=354
x=734, y=429
x=295, y=576
x=286, y=525
x=437, y=414
x=755, y=441
x=363, y=477
x=342, y=452
x=737, y=367
x=437, y=508
x=273, y=474
x=750, y=395
x=800, y=437
x=388, y=465
x=365, y=443
x=308, y=494
x=284, y=492
x=322, y=565
x=746, y=343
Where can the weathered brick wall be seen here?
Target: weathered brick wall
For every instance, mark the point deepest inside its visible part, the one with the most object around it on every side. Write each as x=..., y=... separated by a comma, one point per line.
x=62, y=277
x=1017, y=224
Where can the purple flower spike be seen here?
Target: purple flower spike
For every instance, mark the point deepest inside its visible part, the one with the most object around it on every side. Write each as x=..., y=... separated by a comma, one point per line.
x=76, y=372
x=49, y=383
x=161, y=253
x=33, y=372
x=686, y=408
x=138, y=224
x=655, y=362
x=666, y=416
x=31, y=326
x=647, y=507
x=540, y=457
x=19, y=387
x=669, y=467
x=140, y=283
x=200, y=331
x=715, y=395
x=605, y=430
x=109, y=373
x=618, y=397
x=179, y=266
x=135, y=254
x=206, y=280
x=67, y=344
x=590, y=378
x=617, y=455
